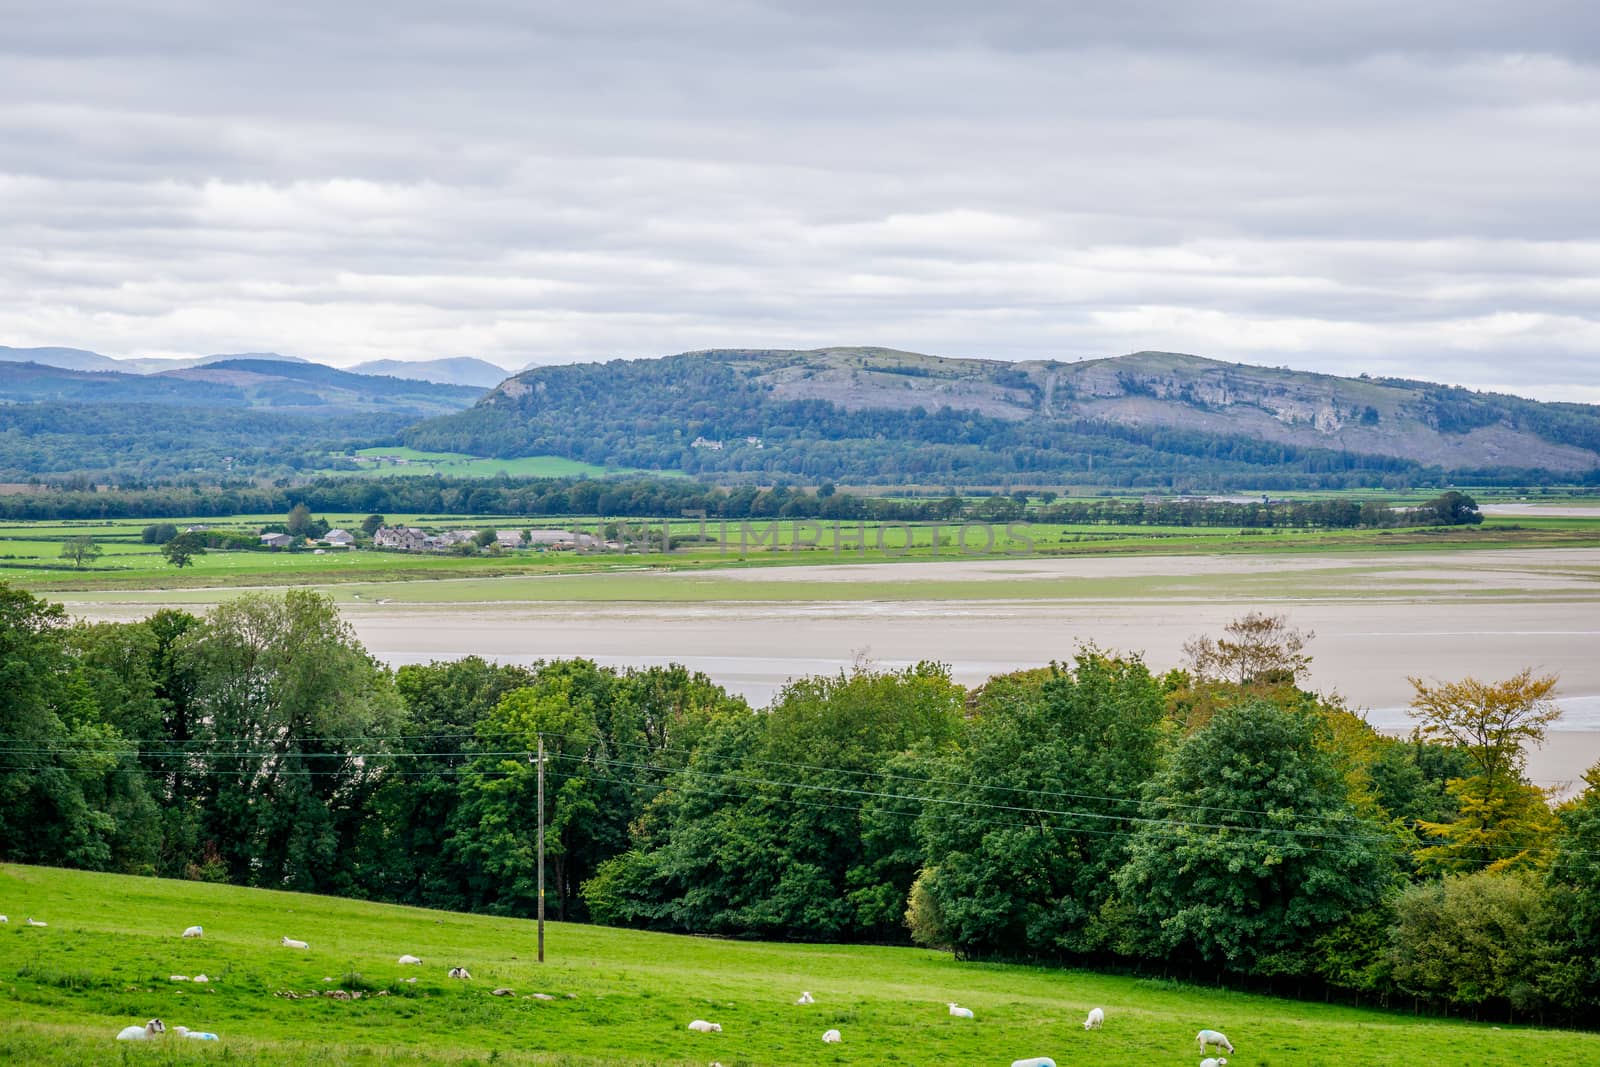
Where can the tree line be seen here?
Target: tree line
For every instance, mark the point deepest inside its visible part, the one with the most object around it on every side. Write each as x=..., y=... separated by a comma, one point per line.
x=655, y=498
x=1216, y=820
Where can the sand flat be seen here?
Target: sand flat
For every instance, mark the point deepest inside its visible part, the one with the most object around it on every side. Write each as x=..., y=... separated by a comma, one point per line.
x=1378, y=619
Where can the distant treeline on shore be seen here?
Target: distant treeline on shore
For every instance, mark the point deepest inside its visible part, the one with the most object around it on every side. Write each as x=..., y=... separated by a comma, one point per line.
x=677, y=497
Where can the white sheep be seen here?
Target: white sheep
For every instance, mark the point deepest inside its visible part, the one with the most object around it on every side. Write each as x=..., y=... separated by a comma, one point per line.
x=960, y=1012
x=831, y=1037
x=700, y=1026
x=1037, y=1061
x=177, y=978
x=35, y=922
x=805, y=998
x=142, y=1033
x=460, y=972
x=3, y=919
x=1213, y=1037
x=1214, y=1061
x=1096, y=1017
x=195, y=1035
x=201, y=978
x=289, y=942
x=408, y=959
x=194, y=931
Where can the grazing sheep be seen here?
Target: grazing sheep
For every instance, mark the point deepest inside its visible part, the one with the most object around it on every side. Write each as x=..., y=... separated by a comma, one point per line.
x=805, y=998
x=35, y=922
x=3, y=919
x=201, y=978
x=1214, y=1061
x=195, y=1035
x=409, y=960
x=1037, y=1061
x=700, y=1026
x=459, y=972
x=1212, y=1037
x=194, y=931
x=412, y=981
x=289, y=942
x=142, y=1033
x=177, y=978
x=960, y=1012
x=501, y=992
x=543, y=996
x=831, y=1037
x=1096, y=1017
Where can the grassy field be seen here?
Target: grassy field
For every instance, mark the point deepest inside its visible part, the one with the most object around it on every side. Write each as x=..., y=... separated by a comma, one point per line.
x=30, y=552
x=390, y=461
x=617, y=997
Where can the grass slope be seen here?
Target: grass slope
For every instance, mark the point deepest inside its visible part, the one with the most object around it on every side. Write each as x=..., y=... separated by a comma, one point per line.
x=105, y=959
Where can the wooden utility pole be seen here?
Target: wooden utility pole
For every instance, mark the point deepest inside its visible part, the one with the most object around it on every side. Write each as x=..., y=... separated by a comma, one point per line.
x=541, y=848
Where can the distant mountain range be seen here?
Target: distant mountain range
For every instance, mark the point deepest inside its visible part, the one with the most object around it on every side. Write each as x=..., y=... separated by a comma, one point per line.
x=1146, y=419
x=462, y=370
x=1156, y=420
x=459, y=371
x=239, y=382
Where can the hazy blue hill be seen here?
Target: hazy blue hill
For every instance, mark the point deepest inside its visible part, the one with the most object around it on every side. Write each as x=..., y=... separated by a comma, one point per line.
x=461, y=370
x=65, y=358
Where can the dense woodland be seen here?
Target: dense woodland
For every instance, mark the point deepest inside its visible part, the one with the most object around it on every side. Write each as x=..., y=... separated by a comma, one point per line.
x=1214, y=821
x=676, y=497
x=66, y=446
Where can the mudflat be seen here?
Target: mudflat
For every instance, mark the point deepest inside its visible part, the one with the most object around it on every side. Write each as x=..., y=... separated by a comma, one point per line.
x=1378, y=619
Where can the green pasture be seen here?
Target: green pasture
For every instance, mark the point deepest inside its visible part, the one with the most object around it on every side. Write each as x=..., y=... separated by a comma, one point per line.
x=30, y=552
x=106, y=959
x=391, y=461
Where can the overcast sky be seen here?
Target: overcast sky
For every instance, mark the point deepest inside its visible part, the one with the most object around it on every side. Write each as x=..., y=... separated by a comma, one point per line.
x=1395, y=188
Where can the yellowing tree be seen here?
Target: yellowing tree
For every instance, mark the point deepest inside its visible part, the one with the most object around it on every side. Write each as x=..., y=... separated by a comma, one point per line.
x=1504, y=822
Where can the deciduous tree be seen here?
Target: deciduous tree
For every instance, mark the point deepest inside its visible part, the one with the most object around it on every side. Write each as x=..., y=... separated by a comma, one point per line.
x=1503, y=822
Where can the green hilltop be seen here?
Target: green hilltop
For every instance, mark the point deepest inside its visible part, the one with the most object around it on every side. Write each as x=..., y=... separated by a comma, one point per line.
x=1156, y=419
x=107, y=958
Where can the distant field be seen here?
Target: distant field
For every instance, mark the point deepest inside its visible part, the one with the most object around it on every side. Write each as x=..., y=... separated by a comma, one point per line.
x=389, y=461
x=30, y=552
x=619, y=997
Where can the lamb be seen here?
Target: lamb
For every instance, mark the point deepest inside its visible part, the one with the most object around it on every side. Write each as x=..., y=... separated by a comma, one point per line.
x=289, y=942
x=195, y=1035
x=700, y=1026
x=831, y=1037
x=3, y=919
x=1212, y=1037
x=35, y=922
x=1037, y=1061
x=1096, y=1017
x=461, y=972
x=409, y=960
x=1214, y=1061
x=805, y=998
x=960, y=1012
x=194, y=931
x=142, y=1033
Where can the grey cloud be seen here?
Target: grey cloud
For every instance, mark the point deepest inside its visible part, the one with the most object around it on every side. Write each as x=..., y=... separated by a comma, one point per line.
x=1392, y=188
